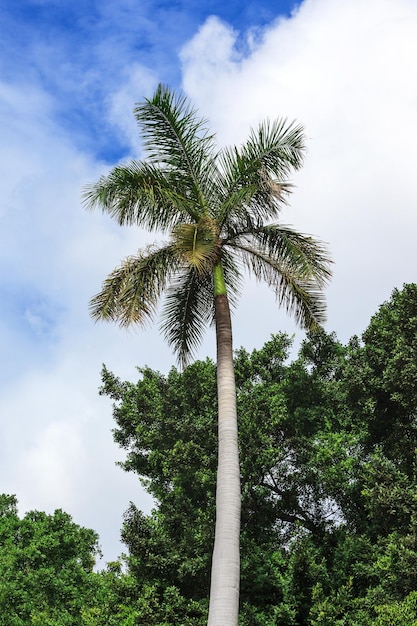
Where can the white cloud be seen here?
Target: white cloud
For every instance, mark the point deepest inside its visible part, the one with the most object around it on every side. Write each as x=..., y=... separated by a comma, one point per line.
x=140, y=82
x=345, y=71
x=56, y=445
x=54, y=462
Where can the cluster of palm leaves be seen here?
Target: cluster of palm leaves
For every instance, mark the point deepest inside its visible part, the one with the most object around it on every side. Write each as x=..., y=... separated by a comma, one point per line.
x=216, y=206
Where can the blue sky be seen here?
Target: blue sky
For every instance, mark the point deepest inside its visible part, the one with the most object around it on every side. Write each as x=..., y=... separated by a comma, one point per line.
x=78, y=51
x=70, y=75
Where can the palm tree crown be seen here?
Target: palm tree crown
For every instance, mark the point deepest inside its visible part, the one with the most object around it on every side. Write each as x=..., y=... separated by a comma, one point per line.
x=219, y=209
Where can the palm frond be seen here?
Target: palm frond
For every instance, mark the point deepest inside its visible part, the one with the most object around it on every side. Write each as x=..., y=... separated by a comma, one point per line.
x=300, y=297
x=235, y=206
x=261, y=165
x=294, y=265
x=308, y=256
x=279, y=145
x=177, y=139
x=140, y=193
x=187, y=310
x=131, y=292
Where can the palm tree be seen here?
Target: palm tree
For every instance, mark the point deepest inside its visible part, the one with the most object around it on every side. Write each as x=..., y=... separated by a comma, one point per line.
x=219, y=209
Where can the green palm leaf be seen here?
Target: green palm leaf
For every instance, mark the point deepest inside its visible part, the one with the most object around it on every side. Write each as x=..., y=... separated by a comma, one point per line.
x=130, y=294
x=294, y=265
x=140, y=193
x=287, y=246
x=177, y=140
x=301, y=297
x=188, y=308
x=261, y=165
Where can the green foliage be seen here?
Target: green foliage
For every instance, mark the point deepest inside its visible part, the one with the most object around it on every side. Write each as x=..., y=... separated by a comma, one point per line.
x=327, y=444
x=167, y=425
x=46, y=564
x=329, y=515
x=402, y=613
x=382, y=378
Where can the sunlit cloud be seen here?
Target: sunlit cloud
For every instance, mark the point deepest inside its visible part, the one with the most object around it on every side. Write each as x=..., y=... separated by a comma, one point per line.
x=348, y=81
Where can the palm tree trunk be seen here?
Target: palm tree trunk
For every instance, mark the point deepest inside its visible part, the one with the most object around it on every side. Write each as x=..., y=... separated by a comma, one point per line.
x=225, y=573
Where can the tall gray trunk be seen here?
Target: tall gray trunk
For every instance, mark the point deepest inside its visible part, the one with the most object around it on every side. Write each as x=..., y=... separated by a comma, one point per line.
x=225, y=573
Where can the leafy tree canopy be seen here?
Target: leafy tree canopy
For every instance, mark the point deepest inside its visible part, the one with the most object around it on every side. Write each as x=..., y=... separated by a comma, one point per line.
x=327, y=444
x=328, y=480
x=46, y=567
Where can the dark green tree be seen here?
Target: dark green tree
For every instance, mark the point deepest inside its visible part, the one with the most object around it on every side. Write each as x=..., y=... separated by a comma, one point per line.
x=373, y=565
x=46, y=568
x=328, y=494
x=383, y=374
x=168, y=426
